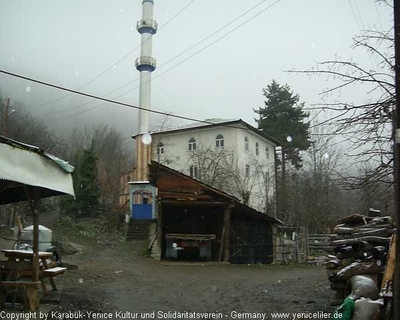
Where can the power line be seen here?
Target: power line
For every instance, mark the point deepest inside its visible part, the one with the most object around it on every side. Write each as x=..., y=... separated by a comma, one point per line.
x=218, y=39
x=191, y=56
x=117, y=62
x=315, y=116
x=136, y=107
x=215, y=32
x=115, y=102
x=359, y=14
x=370, y=55
x=174, y=58
x=176, y=15
x=378, y=15
x=354, y=15
x=97, y=97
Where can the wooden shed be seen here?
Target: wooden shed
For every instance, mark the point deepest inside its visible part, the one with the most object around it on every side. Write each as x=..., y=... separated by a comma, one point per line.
x=196, y=221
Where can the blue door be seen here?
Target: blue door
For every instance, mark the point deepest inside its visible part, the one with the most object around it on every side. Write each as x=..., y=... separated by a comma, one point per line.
x=142, y=207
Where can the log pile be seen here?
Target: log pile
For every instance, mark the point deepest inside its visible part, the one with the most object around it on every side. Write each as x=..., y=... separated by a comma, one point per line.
x=361, y=244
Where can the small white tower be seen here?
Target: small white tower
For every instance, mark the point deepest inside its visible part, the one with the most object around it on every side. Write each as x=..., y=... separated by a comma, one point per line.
x=145, y=64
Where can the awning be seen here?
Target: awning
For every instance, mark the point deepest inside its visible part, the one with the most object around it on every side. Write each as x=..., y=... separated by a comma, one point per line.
x=22, y=164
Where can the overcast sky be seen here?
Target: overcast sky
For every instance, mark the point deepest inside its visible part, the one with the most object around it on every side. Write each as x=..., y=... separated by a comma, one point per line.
x=69, y=43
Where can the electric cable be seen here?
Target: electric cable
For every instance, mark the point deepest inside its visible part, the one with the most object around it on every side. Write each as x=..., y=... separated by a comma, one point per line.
x=359, y=14
x=117, y=62
x=125, y=104
x=172, y=59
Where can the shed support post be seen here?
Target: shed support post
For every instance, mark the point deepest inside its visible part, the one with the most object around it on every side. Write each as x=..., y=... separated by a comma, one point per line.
x=160, y=239
x=32, y=293
x=227, y=231
x=275, y=242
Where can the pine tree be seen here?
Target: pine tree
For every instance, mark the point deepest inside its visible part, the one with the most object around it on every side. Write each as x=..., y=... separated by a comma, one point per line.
x=85, y=184
x=282, y=117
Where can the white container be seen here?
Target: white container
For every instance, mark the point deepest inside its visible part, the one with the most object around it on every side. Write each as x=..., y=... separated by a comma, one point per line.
x=45, y=237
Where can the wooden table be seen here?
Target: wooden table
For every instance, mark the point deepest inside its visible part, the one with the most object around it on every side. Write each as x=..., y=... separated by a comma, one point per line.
x=25, y=255
x=19, y=266
x=44, y=269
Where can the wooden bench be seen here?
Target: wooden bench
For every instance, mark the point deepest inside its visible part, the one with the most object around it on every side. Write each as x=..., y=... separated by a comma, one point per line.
x=52, y=272
x=13, y=284
x=19, y=284
x=27, y=290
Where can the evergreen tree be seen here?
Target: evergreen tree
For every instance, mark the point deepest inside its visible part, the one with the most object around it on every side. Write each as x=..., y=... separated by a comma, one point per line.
x=85, y=184
x=282, y=117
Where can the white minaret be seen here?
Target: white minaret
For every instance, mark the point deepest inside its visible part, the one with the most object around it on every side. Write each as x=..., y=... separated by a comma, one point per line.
x=145, y=64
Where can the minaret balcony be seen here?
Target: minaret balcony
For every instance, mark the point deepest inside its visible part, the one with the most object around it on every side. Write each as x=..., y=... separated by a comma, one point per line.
x=145, y=64
x=146, y=26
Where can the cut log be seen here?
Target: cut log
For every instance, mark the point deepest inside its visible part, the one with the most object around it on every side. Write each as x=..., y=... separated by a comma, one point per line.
x=382, y=220
x=355, y=219
x=382, y=232
x=333, y=264
x=379, y=252
x=359, y=268
x=373, y=239
x=345, y=252
x=347, y=261
x=339, y=247
x=343, y=230
x=373, y=225
x=362, y=246
x=362, y=255
x=333, y=277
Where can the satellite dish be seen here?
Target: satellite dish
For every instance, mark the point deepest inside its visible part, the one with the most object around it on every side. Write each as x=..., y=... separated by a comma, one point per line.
x=289, y=139
x=146, y=138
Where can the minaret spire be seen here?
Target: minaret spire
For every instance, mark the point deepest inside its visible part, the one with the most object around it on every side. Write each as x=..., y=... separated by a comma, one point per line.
x=145, y=64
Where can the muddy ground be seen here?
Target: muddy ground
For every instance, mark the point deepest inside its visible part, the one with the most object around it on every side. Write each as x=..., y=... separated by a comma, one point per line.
x=121, y=278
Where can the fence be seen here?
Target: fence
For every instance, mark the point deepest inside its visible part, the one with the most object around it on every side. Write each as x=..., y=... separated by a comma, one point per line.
x=297, y=245
x=320, y=242
x=291, y=245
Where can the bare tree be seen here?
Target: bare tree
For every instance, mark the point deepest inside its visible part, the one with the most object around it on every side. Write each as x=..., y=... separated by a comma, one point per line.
x=219, y=168
x=23, y=126
x=321, y=184
x=109, y=146
x=373, y=194
x=313, y=194
x=214, y=166
x=367, y=125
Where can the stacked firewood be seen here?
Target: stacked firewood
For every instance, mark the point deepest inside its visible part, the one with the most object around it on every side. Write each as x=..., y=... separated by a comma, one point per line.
x=361, y=244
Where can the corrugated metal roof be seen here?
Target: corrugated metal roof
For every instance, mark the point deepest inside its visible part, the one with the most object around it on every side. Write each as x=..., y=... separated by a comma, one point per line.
x=22, y=164
x=61, y=163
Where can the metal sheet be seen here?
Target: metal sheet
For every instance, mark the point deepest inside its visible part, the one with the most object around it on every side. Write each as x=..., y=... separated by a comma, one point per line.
x=30, y=168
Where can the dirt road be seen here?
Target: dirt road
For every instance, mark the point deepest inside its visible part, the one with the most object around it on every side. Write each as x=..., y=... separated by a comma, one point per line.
x=122, y=279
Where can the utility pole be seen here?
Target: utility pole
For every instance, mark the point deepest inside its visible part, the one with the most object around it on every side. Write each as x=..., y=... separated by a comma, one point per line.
x=5, y=119
x=396, y=282
x=283, y=192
